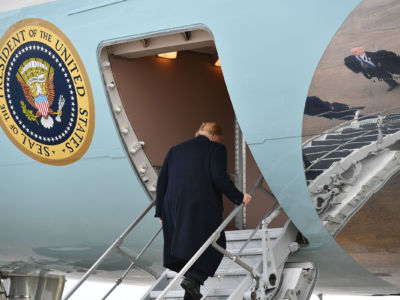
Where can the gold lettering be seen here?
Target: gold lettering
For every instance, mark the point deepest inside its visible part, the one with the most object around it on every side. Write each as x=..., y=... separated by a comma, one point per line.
x=45, y=35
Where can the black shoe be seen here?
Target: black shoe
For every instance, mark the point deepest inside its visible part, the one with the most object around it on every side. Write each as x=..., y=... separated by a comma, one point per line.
x=192, y=287
x=187, y=296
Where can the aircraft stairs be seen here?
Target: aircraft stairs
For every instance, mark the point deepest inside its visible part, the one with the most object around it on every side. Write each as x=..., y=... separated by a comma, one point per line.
x=255, y=263
x=232, y=281
x=345, y=165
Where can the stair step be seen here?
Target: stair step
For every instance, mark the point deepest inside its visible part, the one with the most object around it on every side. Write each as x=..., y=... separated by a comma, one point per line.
x=354, y=145
x=390, y=130
x=239, y=271
x=353, y=131
x=234, y=271
x=327, y=148
x=338, y=142
x=246, y=252
x=237, y=235
x=319, y=149
x=227, y=263
x=312, y=174
x=329, y=142
x=337, y=154
x=324, y=163
x=216, y=294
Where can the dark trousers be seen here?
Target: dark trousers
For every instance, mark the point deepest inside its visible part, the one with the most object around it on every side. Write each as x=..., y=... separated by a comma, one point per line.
x=193, y=273
x=381, y=74
x=196, y=276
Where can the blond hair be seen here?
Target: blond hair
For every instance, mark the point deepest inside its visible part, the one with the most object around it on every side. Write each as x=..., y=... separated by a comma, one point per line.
x=209, y=129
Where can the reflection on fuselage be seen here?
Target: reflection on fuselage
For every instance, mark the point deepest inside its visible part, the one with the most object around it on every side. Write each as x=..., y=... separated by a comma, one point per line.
x=351, y=133
x=335, y=110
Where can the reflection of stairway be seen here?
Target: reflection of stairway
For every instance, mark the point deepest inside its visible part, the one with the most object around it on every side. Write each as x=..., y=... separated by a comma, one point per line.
x=336, y=162
x=232, y=282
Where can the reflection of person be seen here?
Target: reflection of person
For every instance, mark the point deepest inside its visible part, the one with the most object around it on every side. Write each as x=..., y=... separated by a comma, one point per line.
x=189, y=203
x=331, y=110
x=381, y=64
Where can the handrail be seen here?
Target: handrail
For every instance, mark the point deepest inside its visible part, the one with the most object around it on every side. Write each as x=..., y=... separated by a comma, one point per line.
x=216, y=234
x=3, y=291
x=239, y=253
x=133, y=260
x=236, y=259
x=116, y=244
x=119, y=280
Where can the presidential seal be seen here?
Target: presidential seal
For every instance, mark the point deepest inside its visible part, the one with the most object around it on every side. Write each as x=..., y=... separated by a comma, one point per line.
x=46, y=103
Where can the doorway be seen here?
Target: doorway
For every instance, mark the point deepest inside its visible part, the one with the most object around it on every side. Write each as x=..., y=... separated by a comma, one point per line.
x=161, y=88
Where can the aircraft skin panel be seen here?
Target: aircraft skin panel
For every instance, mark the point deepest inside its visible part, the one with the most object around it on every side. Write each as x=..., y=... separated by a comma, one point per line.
x=268, y=60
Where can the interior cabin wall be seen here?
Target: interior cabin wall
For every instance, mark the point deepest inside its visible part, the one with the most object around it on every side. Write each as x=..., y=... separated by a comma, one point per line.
x=261, y=202
x=167, y=100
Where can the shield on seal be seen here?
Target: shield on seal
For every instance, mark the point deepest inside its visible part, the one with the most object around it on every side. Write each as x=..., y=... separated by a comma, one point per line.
x=42, y=105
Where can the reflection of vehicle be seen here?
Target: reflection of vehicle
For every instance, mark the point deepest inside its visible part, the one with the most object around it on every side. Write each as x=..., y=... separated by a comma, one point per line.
x=57, y=220
x=349, y=163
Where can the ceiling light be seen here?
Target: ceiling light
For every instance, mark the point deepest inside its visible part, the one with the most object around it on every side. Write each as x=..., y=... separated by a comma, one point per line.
x=169, y=55
x=217, y=63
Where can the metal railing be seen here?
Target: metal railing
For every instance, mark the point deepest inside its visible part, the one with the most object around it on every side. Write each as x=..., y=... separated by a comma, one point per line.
x=365, y=132
x=211, y=241
x=347, y=123
x=240, y=252
x=119, y=280
x=3, y=292
x=116, y=246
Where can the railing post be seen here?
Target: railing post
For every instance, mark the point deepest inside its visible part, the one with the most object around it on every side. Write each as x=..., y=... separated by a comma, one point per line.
x=119, y=280
x=270, y=276
x=108, y=251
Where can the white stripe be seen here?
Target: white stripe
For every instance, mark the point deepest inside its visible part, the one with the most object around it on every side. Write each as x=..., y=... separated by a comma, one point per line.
x=43, y=108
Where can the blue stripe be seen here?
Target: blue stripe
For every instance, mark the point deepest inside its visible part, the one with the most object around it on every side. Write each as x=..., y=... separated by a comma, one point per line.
x=40, y=99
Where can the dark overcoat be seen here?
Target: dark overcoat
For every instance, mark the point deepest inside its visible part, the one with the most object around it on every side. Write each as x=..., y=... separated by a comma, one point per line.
x=386, y=63
x=189, y=201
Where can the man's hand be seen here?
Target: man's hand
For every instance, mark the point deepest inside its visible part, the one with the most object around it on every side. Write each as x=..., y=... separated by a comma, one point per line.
x=246, y=199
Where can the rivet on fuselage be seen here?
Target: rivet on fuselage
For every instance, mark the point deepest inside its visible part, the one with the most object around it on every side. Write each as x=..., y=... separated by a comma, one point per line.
x=186, y=35
x=117, y=108
x=136, y=147
x=142, y=170
x=111, y=85
x=124, y=130
x=152, y=189
x=145, y=43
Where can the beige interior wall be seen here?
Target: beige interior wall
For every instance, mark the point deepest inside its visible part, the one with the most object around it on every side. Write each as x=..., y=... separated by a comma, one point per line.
x=257, y=209
x=166, y=101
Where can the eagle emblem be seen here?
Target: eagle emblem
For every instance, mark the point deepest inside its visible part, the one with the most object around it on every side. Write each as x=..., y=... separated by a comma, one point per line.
x=36, y=77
